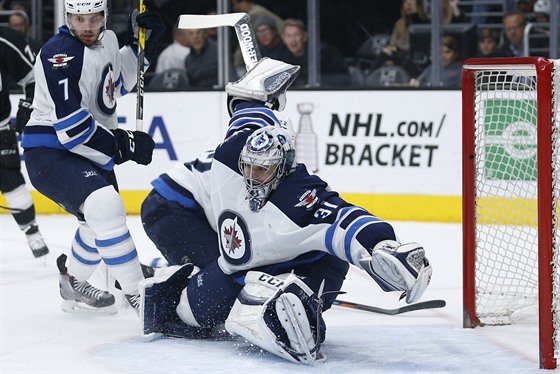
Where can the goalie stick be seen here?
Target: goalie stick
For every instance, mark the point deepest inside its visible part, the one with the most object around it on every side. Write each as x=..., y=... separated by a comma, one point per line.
x=241, y=22
x=429, y=304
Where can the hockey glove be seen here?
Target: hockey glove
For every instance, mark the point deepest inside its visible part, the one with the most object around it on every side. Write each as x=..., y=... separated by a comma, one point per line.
x=133, y=145
x=399, y=267
x=154, y=25
x=23, y=114
x=9, y=150
x=267, y=82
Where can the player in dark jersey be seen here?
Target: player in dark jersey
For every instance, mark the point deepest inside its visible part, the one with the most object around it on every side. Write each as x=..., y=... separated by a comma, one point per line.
x=16, y=62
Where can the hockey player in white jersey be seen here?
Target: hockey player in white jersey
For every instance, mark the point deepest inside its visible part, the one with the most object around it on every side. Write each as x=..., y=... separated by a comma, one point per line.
x=72, y=144
x=284, y=238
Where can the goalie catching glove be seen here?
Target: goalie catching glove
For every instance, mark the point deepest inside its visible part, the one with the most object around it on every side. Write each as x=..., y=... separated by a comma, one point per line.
x=399, y=267
x=266, y=82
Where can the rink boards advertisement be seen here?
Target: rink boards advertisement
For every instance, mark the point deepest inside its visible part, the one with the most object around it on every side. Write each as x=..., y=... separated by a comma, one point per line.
x=397, y=153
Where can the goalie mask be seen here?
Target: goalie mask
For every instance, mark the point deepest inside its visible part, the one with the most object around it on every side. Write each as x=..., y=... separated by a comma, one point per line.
x=266, y=159
x=86, y=15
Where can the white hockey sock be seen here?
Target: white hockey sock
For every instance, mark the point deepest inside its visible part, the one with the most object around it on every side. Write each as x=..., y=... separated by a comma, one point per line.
x=105, y=213
x=85, y=257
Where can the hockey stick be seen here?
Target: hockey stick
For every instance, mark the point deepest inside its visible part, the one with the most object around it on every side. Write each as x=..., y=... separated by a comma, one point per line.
x=140, y=73
x=430, y=304
x=241, y=22
x=15, y=210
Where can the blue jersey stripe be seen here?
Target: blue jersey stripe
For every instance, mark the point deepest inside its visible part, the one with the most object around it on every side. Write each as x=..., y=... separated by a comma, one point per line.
x=41, y=140
x=256, y=116
x=329, y=236
x=352, y=230
x=78, y=117
x=171, y=192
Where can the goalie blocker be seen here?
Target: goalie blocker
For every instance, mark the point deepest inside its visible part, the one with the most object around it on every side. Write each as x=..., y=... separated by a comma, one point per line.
x=266, y=82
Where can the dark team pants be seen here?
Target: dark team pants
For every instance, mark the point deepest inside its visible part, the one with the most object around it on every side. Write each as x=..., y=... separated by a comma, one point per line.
x=10, y=164
x=65, y=178
x=11, y=177
x=181, y=234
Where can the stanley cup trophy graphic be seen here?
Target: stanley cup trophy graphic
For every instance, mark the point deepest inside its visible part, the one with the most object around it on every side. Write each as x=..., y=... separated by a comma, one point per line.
x=306, y=139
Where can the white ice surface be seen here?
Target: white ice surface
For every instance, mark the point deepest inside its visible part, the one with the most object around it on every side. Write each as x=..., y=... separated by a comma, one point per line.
x=37, y=337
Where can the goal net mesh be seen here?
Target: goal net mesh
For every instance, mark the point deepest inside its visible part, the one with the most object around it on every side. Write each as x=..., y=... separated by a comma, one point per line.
x=506, y=180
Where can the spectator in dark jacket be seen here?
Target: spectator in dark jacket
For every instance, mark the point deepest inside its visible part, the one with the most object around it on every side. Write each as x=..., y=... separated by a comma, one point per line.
x=270, y=42
x=334, y=70
x=202, y=61
x=514, y=27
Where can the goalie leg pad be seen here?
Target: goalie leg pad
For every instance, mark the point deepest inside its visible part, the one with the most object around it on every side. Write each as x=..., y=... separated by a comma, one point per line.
x=267, y=82
x=279, y=314
x=399, y=267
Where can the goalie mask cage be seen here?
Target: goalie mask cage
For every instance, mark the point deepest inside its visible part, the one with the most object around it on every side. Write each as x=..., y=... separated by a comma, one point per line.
x=511, y=187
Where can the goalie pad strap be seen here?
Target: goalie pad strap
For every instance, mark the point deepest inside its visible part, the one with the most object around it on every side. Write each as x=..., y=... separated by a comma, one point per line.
x=184, y=310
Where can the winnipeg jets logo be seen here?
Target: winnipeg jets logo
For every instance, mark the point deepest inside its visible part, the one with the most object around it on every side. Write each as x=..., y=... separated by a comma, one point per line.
x=106, y=91
x=235, y=240
x=110, y=89
x=261, y=142
x=230, y=235
x=308, y=199
x=60, y=60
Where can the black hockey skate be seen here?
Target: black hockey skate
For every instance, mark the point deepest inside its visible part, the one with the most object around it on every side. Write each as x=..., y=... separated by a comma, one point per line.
x=82, y=296
x=36, y=241
x=134, y=302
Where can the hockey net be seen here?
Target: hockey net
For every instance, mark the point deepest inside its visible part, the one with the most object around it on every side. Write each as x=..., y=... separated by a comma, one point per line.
x=511, y=187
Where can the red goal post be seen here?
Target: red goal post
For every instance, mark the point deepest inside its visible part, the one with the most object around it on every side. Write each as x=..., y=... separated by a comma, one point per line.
x=511, y=188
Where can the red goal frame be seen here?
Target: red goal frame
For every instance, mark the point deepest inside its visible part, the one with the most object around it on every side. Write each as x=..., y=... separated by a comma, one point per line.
x=545, y=128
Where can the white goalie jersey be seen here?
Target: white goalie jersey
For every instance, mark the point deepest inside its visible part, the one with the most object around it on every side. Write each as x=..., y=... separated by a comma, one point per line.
x=302, y=215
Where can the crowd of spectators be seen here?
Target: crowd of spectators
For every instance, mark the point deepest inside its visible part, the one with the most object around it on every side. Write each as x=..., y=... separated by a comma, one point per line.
x=195, y=52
